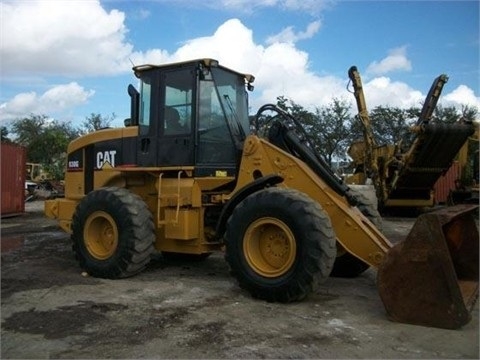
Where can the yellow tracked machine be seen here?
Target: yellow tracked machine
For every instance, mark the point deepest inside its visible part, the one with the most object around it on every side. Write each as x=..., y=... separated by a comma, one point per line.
x=407, y=177
x=188, y=175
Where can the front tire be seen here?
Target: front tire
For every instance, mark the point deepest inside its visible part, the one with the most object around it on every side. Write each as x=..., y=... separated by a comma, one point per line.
x=112, y=233
x=280, y=244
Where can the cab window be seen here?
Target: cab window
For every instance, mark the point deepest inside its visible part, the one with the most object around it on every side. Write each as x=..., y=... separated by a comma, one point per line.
x=145, y=103
x=178, y=103
x=215, y=140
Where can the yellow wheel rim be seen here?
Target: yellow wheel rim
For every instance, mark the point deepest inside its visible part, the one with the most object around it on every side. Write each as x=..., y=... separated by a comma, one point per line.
x=269, y=247
x=100, y=235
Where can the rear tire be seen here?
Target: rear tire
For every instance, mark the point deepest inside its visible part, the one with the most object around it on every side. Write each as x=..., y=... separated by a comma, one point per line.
x=346, y=265
x=280, y=244
x=112, y=233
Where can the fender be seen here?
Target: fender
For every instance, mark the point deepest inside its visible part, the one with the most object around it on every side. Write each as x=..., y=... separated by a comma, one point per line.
x=256, y=185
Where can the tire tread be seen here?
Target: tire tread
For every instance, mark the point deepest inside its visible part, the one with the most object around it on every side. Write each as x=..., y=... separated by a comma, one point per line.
x=138, y=233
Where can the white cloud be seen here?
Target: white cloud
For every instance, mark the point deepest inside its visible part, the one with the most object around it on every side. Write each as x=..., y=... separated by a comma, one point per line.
x=289, y=36
x=62, y=37
x=279, y=69
x=462, y=95
x=80, y=38
x=384, y=91
x=396, y=60
x=152, y=56
x=57, y=99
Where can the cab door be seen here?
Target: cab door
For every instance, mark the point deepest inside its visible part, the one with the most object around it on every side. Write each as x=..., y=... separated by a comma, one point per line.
x=175, y=143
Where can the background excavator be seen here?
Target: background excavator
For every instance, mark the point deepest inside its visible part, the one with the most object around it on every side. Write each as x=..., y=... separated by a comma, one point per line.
x=406, y=177
x=212, y=182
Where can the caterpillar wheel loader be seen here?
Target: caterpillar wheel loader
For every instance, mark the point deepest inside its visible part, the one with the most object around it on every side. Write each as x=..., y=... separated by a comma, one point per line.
x=188, y=175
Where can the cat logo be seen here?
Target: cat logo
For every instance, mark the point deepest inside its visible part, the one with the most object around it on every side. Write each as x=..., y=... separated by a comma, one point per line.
x=106, y=157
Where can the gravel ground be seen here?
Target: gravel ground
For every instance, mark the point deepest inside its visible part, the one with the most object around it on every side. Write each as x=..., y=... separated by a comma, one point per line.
x=49, y=309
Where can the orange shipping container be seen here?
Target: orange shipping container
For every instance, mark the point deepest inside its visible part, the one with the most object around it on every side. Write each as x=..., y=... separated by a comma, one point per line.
x=446, y=183
x=13, y=164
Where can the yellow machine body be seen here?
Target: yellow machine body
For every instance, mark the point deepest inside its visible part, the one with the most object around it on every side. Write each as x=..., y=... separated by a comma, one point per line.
x=178, y=211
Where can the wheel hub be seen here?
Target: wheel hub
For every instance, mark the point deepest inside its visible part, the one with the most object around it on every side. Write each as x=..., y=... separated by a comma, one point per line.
x=100, y=235
x=269, y=247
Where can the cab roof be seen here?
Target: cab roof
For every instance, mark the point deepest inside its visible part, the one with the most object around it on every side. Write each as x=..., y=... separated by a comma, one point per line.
x=206, y=62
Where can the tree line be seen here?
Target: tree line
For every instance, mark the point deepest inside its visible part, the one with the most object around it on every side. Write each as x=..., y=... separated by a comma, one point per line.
x=46, y=139
x=332, y=128
x=335, y=126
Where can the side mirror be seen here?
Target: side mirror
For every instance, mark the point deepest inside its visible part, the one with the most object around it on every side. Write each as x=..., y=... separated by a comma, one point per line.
x=127, y=122
x=134, y=102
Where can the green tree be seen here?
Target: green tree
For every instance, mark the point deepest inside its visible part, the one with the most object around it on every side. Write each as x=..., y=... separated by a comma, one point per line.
x=46, y=141
x=328, y=126
x=28, y=128
x=96, y=122
x=469, y=113
x=4, y=134
x=296, y=110
x=449, y=114
x=392, y=125
x=331, y=129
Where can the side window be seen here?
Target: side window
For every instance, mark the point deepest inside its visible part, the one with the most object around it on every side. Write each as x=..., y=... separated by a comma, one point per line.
x=178, y=103
x=145, y=102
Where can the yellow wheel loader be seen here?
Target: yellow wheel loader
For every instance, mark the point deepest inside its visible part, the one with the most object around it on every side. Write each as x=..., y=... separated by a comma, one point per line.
x=189, y=175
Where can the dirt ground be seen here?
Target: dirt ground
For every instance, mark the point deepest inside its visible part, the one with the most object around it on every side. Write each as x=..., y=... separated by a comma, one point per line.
x=192, y=310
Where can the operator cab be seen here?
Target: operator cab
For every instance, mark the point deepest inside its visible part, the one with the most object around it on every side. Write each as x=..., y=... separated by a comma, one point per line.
x=191, y=114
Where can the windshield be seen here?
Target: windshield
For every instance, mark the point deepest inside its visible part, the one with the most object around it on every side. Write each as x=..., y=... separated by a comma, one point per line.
x=233, y=96
x=223, y=116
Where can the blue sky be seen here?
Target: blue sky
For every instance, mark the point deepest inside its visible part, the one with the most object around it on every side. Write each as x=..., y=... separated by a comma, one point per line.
x=68, y=59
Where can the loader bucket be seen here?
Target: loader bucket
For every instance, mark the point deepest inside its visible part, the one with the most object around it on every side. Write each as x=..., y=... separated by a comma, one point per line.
x=431, y=278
